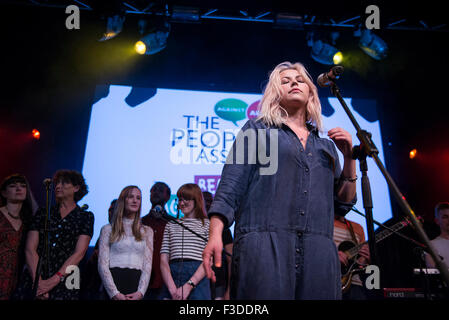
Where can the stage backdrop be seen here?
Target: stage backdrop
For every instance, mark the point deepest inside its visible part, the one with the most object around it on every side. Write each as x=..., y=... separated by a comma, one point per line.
x=138, y=136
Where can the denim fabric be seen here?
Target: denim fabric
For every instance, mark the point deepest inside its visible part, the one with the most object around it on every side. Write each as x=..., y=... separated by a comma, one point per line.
x=181, y=273
x=356, y=292
x=283, y=247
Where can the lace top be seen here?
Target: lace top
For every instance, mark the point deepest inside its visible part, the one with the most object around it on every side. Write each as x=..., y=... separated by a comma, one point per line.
x=125, y=253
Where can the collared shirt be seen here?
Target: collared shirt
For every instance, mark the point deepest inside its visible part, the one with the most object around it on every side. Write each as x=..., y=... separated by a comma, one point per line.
x=283, y=221
x=63, y=234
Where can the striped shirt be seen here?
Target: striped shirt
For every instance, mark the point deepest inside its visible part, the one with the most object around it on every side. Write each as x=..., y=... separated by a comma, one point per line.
x=180, y=243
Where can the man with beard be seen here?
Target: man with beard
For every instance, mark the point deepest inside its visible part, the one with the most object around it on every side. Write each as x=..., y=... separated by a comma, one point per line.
x=159, y=195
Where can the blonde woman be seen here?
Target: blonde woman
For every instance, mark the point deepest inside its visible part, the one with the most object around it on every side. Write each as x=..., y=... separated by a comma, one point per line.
x=126, y=249
x=283, y=247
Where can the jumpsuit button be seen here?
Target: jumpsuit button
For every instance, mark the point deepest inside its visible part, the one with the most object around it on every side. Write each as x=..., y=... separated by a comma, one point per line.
x=301, y=213
x=305, y=191
x=296, y=266
x=297, y=250
x=299, y=234
x=307, y=169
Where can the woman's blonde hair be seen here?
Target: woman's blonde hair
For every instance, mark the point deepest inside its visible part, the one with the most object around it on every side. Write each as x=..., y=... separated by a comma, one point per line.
x=118, y=230
x=272, y=113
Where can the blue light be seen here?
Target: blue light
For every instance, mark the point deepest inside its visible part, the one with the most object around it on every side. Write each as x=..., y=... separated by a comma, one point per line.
x=373, y=45
x=323, y=52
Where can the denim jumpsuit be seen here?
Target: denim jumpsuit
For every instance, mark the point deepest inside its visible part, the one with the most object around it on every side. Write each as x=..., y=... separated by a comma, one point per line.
x=283, y=246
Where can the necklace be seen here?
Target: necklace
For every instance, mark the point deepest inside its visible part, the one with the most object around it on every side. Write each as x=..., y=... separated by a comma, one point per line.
x=13, y=216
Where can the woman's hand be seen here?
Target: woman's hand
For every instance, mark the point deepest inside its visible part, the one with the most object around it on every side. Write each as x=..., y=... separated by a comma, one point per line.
x=44, y=296
x=46, y=285
x=184, y=291
x=342, y=140
x=175, y=294
x=134, y=296
x=119, y=296
x=212, y=252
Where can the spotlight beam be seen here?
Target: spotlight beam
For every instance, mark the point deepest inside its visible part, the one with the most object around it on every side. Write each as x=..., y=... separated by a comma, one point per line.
x=348, y=20
x=131, y=7
x=83, y=4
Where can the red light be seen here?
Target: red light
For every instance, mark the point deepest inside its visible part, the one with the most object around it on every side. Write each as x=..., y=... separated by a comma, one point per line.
x=413, y=153
x=36, y=134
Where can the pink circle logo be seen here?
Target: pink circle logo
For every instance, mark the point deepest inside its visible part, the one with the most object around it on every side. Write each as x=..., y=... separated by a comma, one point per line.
x=252, y=112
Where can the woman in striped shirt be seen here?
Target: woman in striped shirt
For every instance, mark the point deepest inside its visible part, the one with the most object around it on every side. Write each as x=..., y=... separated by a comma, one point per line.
x=181, y=252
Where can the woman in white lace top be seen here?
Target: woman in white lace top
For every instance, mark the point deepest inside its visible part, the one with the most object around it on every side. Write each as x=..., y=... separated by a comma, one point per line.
x=126, y=249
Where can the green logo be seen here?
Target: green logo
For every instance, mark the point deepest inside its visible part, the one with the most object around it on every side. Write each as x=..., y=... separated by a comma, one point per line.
x=231, y=109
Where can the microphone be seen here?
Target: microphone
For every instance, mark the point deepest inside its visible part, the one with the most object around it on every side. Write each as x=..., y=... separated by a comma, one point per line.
x=160, y=213
x=84, y=207
x=46, y=182
x=326, y=79
x=157, y=211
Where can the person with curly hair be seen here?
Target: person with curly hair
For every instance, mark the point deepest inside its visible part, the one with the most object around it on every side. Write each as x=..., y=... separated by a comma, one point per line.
x=70, y=230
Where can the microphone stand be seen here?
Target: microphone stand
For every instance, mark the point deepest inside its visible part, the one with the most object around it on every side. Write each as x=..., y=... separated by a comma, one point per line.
x=42, y=264
x=169, y=218
x=424, y=276
x=368, y=148
x=391, y=230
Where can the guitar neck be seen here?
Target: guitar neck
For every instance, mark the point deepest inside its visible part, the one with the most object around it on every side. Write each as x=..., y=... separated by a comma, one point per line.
x=379, y=237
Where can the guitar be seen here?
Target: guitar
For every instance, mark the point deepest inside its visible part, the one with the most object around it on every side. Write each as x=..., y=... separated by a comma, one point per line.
x=352, y=250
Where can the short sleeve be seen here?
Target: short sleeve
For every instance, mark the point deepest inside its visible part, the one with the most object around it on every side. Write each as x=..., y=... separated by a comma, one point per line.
x=87, y=223
x=165, y=248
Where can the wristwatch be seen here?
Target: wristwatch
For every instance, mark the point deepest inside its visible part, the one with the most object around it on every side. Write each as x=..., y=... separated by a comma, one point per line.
x=191, y=283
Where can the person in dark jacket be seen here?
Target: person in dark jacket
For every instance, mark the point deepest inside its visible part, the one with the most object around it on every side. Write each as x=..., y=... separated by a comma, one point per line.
x=283, y=204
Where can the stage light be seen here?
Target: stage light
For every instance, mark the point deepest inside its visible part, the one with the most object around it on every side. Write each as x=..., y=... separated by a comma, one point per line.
x=113, y=27
x=140, y=47
x=322, y=51
x=36, y=134
x=373, y=45
x=338, y=57
x=155, y=41
x=413, y=153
